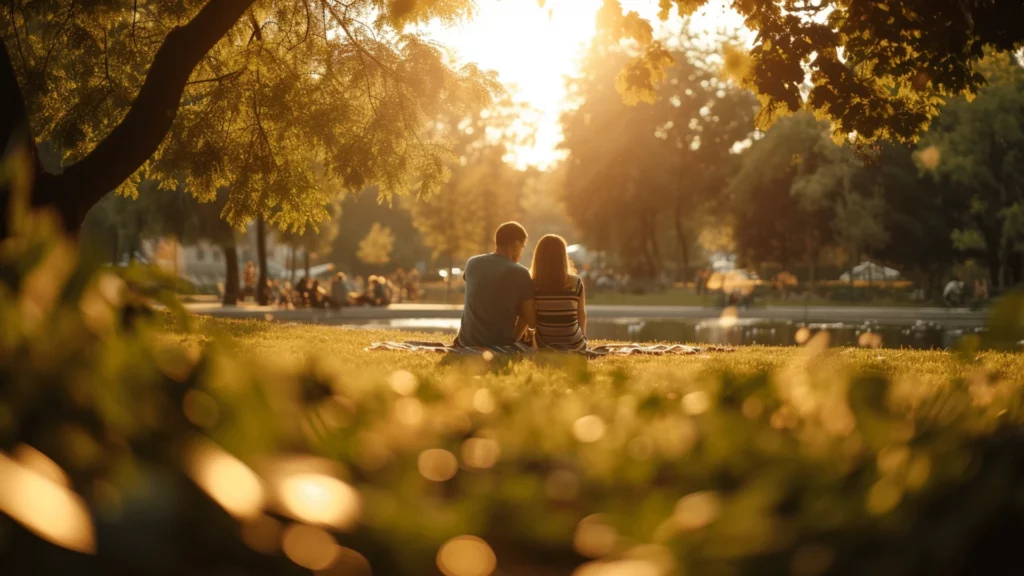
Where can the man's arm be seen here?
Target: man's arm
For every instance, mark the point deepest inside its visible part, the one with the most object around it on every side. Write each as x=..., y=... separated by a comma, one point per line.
x=527, y=318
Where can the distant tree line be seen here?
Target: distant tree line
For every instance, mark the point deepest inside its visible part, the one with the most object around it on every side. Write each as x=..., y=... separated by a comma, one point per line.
x=648, y=184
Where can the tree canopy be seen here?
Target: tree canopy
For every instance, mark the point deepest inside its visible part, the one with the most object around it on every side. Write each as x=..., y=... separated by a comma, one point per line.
x=282, y=101
x=878, y=70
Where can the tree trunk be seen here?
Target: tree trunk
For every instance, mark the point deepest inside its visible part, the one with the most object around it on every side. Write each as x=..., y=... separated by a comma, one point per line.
x=683, y=273
x=292, y=265
x=136, y=138
x=261, y=255
x=305, y=260
x=231, y=287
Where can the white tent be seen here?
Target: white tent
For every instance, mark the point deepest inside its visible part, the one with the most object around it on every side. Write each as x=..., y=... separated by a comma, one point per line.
x=870, y=271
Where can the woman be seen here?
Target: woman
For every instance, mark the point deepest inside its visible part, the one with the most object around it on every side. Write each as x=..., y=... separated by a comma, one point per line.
x=559, y=297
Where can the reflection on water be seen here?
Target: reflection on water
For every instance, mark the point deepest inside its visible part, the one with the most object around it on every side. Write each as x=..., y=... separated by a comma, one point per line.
x=744, y=331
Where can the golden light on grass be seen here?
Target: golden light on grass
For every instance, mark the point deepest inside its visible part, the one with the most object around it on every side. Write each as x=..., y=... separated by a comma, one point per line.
x=588, y=429
x=483, y=401
x=802, y=335
x=225, y=478
x=308, y=546
x=487, y=355
x=403, y=382
x=200, y=408
x=466, y=556
x=697, y=510
x=595, y=537
x=437, y=465
x=320, y=499
x=480, y=452
x=729, y=318
x=45, y=506
x=696, y=402
x=262, y=534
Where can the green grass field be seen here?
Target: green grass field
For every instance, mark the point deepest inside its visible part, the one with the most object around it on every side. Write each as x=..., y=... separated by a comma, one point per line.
x=756, y=461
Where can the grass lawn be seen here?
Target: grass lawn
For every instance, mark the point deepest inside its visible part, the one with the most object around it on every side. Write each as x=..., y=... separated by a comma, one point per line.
x=299, y=342
x=743, y=462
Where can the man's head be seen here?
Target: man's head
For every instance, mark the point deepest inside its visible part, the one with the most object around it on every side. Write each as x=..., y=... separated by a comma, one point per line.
x=509, y=240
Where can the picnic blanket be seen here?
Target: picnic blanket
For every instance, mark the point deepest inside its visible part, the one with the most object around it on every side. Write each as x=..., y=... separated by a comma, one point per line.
x=600, y=350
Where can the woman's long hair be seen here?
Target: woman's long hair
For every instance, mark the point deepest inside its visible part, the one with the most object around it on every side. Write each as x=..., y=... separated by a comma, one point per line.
x=551, y=266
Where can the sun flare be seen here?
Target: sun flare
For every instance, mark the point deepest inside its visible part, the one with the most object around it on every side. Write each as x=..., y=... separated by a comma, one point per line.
x=534, y=70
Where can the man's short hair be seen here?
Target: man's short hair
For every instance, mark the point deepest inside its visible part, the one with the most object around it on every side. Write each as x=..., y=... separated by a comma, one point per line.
x=508, y=233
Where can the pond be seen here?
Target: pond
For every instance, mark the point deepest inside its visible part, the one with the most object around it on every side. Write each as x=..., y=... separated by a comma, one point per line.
x=745, y=331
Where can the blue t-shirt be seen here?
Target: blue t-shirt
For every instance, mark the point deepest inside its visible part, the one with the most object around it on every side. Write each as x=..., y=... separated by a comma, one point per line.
x=496, y=287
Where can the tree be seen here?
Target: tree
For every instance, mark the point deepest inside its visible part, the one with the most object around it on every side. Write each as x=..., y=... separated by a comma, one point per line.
x=798, y=192
x=630, y=168
x=254, y=95
x=878, y=70
x=315, y=240
x=376, y=247
x=459, y=219
x=358, y=213
x=977, y=148
x=920, y=213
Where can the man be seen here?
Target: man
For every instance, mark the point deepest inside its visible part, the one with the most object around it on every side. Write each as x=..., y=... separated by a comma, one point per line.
x=499, y=293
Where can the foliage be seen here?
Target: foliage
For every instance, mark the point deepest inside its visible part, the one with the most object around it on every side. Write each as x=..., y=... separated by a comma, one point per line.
x=976, y=150
x=358, y=213
x=878, y=70
x=634, y=170
x=376, y=247
x=798, y=193
x=459, y=219
x=296, y=102
x=850, y=461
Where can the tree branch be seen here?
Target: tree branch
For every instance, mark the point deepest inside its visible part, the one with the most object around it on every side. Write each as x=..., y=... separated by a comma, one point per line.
x=227, y=76
x=149, y=118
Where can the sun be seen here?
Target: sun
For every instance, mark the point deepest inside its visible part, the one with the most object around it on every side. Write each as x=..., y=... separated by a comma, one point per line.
x=534, y=48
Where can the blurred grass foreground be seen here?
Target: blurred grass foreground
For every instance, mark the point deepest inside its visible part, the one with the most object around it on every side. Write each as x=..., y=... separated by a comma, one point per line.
x=140, y=444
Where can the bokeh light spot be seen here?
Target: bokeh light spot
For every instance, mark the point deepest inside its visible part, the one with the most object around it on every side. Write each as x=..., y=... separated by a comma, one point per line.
x=802, y=335
x=309, y=546
x=320, y=499
x=262, y=534
x=696, y=403
x=437, y=465
x=480, y=452
x=45, y=507
x=588, y=429
x=403, y=382
x=226, y=479
x=884, y=497
x=466, y=556
x=697, y=510
x=483, y=401
x=595, y=537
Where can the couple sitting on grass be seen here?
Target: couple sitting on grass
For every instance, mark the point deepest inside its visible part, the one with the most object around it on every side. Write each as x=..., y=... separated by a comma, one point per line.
x=507, y=304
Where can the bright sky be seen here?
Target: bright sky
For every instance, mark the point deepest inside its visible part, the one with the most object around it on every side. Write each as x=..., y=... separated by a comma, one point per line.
x=533, y=49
